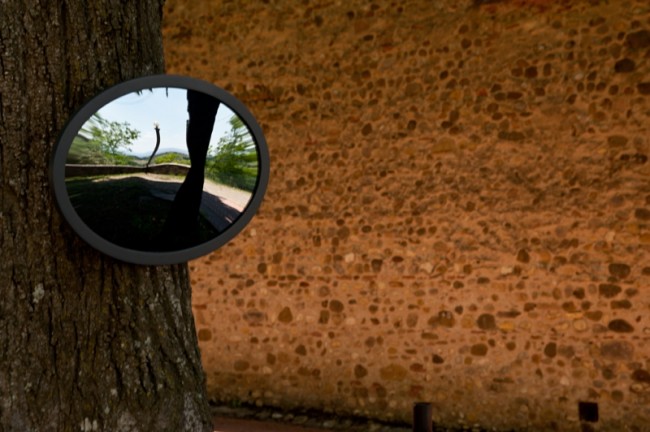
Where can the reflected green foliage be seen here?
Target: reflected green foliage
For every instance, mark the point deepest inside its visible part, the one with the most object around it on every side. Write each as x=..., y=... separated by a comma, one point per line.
x=84, y=151
x=172, y=157
x=234, y=160
x=99, y=142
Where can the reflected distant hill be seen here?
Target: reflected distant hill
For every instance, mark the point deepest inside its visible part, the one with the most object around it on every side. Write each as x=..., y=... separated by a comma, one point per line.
x=164, y=156
x=161, y=151
x=83, y=151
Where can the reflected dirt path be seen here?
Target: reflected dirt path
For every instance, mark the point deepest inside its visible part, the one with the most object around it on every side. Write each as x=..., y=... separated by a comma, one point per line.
x=220, y=204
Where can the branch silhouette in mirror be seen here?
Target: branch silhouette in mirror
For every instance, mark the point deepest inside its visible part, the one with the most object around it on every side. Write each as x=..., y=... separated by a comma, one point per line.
x=156, y=126
x=193, y=191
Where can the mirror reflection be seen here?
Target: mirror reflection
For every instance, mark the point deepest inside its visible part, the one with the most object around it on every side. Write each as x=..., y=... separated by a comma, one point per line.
x=162, y=169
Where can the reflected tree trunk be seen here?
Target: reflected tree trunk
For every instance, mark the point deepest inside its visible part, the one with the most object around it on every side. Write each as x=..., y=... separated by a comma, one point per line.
x=87, y=343
x=182, y=224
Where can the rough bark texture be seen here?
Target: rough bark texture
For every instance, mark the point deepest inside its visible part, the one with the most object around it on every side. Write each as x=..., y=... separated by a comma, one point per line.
x=86, y=342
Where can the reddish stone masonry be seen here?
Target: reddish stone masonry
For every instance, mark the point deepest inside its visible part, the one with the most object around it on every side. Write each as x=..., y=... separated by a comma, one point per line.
x=458, y=210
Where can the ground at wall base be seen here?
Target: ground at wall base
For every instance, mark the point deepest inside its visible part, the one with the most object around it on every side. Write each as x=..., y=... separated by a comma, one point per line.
x=230, y=418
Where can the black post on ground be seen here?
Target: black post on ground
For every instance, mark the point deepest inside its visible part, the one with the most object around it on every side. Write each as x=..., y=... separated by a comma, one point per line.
x=422, y=417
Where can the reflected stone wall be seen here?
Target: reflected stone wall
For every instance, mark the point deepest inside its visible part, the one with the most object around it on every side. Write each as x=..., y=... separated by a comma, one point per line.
x=458, y=210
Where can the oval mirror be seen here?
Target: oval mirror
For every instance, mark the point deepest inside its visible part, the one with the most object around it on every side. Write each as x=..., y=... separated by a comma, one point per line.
x=161, y=169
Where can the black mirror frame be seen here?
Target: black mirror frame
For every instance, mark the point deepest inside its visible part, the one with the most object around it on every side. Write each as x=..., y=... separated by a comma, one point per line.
x=60, y=154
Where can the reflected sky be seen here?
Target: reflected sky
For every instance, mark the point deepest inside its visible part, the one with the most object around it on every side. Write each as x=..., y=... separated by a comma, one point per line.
x=168, y=107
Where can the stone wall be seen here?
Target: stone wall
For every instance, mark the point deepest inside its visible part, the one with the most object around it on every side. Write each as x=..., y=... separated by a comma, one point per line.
x=81, y=170
x=458, y=210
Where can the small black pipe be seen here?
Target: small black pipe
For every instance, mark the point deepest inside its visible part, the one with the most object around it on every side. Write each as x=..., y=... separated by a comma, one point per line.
x=422, y=417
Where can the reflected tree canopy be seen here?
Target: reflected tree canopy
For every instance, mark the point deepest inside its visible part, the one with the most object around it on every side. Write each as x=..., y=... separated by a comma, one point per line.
x=101, y=141
x=234, y=161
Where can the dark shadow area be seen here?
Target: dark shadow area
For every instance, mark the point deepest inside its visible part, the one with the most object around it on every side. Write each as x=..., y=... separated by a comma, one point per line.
x=131, y=212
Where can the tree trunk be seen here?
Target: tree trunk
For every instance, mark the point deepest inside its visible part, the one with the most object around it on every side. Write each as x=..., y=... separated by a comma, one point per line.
x=86, y=342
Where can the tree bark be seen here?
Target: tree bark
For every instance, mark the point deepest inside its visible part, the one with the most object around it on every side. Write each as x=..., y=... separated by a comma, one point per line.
x=87, y=343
